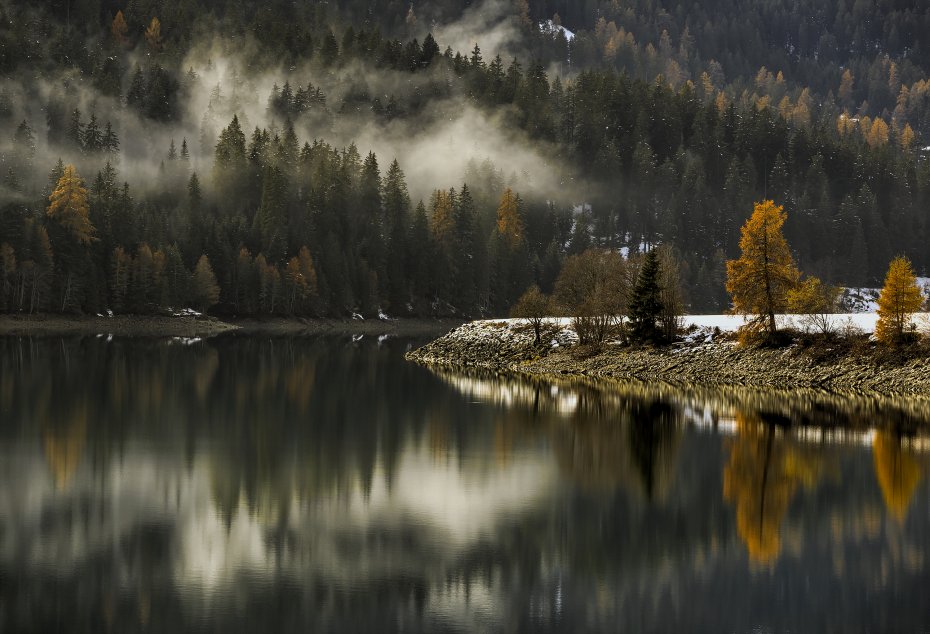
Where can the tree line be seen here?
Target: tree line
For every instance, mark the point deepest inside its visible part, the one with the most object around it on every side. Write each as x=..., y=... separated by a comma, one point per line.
x=650, y=162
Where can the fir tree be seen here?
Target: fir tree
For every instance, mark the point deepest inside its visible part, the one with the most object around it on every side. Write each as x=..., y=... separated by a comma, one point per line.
x=646, y=301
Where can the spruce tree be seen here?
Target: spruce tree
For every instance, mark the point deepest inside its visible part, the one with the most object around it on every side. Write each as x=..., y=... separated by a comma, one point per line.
x=646, y=302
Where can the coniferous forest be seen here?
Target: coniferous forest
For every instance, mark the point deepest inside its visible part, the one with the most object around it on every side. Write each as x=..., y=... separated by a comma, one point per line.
x=439, y=158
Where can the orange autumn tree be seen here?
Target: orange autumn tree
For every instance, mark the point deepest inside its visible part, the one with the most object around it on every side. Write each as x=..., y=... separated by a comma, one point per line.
x=900, y=298
x=68, y=206
x=759, y=280
x=897, y=472
x=119, y=28
x=153, y=35
x=509, y=222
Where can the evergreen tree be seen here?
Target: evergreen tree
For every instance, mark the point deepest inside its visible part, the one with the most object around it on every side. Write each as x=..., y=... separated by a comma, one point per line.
x=646, y=302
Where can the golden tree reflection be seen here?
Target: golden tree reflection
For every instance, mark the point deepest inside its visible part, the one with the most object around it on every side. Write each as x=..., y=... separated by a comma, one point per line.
x=760, y=479
x=897, y=471
x=64, y=445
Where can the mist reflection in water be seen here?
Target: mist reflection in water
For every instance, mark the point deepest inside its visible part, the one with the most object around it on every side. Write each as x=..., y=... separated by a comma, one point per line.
x=292, y=484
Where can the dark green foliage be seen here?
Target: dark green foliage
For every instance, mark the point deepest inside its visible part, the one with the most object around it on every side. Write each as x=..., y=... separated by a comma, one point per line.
x=645, y=161
x=646, y=302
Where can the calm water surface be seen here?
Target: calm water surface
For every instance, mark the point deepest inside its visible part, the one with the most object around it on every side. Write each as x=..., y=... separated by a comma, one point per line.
x=278, y=485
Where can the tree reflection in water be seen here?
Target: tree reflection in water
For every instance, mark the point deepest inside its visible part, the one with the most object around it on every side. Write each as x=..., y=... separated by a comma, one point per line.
x=244, y=484
x=760, y=479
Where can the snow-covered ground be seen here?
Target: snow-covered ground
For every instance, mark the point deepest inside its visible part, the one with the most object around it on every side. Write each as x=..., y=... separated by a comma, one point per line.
x=865, y=299
x=864, y=322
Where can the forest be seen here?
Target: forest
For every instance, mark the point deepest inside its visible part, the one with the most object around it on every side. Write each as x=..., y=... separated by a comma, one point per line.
x=387, y=158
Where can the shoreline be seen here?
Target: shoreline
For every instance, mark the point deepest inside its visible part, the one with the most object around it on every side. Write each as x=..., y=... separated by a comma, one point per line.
x=706, y=361
x=188, y=325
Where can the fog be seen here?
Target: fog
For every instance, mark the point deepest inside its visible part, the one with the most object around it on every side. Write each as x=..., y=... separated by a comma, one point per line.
x=433, y=147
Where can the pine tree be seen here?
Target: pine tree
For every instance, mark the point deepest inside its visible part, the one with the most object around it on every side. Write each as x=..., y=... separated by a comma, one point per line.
x=646, y=301
x=92, y=137
x=175, y=279
x=329, y=51
x=759, y=280
x=120, y=272
x=900, y=298
x=137, y=95
x=75, y=133
x=110, y=140
x=271, y=218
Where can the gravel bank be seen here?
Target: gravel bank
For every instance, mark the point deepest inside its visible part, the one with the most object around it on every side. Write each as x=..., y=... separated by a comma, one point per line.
x=508, y=347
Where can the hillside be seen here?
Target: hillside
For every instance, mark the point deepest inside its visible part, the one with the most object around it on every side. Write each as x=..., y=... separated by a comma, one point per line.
x=437, y=158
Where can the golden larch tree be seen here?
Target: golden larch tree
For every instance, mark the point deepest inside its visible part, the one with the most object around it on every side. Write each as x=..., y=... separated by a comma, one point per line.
x=906, y=137
x=206, y=292
x=900, y=298
x=119, y=28
x=153, y=35
x=878, y=133
x=68, y=206
x=442, y=221
x=759, y=280
x=509, y=223
x=846, y=87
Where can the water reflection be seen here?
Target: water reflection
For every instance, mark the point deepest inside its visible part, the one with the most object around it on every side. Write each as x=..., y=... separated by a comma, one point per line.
x=276, y=485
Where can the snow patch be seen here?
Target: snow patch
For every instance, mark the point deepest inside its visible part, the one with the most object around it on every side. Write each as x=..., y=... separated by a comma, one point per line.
x=551, y=28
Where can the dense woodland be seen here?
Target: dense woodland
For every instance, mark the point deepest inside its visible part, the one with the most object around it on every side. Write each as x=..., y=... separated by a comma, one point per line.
x=661, y=122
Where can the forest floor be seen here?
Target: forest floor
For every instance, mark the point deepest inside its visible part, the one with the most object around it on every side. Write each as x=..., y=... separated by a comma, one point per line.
x=706, y=357
x=190, y=324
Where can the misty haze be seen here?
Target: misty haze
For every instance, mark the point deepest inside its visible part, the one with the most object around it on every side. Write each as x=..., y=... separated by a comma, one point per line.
x=464, y=315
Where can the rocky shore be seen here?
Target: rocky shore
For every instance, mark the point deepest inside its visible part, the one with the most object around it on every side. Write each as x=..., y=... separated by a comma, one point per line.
x=704, y=359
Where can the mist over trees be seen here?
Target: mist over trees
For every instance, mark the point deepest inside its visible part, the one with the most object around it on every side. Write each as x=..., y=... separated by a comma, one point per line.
x=355, y=163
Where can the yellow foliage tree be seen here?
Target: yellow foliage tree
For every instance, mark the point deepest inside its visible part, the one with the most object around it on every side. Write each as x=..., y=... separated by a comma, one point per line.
x=442, y=221
x=68, y=206
x=153, y=35
x=760, y=279
x=878, y=133
x=845, y=124
x=802, y=110
x=814, y=301
x=119, y=28
x=906, y=137
x=509, y=223
x=899, y=299
x=846, y=87
x=897, y=473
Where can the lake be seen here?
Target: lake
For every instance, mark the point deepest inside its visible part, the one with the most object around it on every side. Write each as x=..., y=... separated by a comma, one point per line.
x=248, y=484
